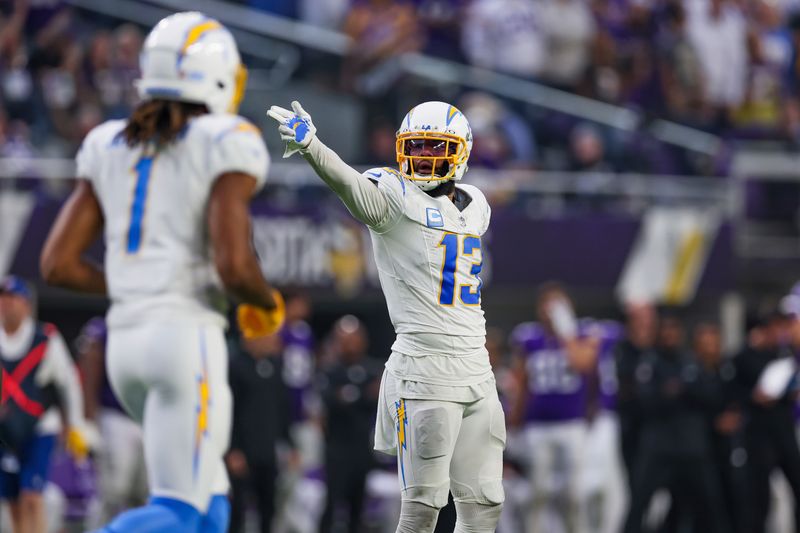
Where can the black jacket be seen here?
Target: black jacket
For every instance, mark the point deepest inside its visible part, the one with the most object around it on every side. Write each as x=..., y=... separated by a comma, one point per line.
x=350, y=395
x=627, y=357
x=261, y=407
x=675, y=399
x=750, y=363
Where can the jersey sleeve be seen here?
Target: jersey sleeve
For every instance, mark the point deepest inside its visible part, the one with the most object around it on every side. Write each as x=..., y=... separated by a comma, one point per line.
x=375, y=198
x=392, y=185
x=613, y=333
x=487, y=217
x=238, y=147
x=525, y=335
x=589, y=328
x=88, y=158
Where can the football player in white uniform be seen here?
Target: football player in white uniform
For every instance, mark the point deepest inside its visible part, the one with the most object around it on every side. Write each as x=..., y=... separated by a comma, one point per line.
x=439, y=409
x=169, y=189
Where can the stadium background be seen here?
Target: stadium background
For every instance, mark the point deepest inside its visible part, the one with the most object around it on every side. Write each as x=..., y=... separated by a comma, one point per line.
x=631, y=149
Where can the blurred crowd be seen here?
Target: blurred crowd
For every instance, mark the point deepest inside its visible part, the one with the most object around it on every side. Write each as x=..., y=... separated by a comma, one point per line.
x=59, y=77
x=724, y=66
x=719, y=65
x=641, y=425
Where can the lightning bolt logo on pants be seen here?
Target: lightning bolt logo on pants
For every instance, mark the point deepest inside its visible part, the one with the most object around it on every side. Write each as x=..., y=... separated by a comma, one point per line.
x=402, y=431
x=201, y=411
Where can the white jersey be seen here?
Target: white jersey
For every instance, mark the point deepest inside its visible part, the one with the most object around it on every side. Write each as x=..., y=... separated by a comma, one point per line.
x=158, y=259
x=429, y=257
x=428, y=254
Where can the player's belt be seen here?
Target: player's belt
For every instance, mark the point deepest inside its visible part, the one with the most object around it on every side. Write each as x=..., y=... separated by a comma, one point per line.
x=12, y=382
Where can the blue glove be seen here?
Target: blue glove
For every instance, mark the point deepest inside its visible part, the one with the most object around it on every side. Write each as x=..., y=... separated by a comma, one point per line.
x=295, y=127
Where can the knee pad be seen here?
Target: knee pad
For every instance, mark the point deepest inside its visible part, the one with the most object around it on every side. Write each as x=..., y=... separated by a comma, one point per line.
x=218, y=516
x=487, y=492
x=161, y=515
x=476, y=517
x=431, y=496
x=417, y=517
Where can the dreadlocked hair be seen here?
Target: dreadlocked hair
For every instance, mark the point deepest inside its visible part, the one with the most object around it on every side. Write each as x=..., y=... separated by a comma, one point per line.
x=160, y=121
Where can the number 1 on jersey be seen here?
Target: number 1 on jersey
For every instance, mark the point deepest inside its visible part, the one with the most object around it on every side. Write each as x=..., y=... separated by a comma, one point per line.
x=468, y=293
x=142, y=168
x=447, y=290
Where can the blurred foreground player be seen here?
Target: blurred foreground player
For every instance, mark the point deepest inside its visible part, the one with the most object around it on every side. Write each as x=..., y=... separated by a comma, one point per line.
x=120, y=456
x=38, y=378
x=438, y=407
x=170, y=188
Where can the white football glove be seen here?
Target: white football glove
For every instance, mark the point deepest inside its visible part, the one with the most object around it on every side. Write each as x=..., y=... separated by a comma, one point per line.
x=296, y=128
x=563, y=318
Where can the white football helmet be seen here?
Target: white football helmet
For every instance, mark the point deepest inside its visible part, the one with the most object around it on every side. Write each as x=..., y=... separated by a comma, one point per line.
x=190, y=57
x=434, y=121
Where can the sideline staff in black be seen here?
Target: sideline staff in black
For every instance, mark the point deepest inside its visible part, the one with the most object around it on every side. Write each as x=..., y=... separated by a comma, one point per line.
x=261, y=419
x=674, y=449
x=770, y=429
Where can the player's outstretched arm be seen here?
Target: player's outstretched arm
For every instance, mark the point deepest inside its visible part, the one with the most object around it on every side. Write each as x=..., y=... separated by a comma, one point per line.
x=79, y=223
x=235, y=259
x=362, y=198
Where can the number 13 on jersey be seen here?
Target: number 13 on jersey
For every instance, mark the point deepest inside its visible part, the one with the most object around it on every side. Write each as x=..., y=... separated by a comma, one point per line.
x=456, y=245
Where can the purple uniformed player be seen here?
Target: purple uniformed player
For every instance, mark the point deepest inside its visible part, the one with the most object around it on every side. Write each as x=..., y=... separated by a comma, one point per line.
x=554, y=358
x=604, y=481
x=302, y=487
x=122, y=476
x=298, y=354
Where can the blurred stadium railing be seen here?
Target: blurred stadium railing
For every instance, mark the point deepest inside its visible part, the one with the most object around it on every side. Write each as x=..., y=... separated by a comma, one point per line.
x=608, y=236
x=601, y=211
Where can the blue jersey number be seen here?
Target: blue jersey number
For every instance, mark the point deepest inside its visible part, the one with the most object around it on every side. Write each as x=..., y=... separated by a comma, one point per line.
x=469, y=293
x=142, y=169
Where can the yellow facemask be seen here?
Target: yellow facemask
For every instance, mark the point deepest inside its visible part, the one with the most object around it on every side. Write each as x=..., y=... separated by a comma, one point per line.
x=409, y=163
